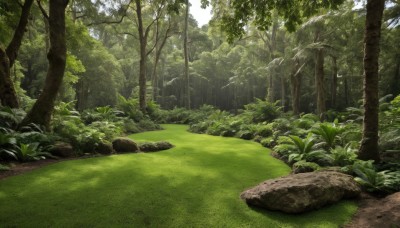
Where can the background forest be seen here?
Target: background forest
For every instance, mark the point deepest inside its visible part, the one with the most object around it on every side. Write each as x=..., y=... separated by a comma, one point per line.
x=133, y=64
x=104, y=58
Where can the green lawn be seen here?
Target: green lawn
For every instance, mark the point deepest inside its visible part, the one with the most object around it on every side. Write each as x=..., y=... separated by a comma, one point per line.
x=195, y=184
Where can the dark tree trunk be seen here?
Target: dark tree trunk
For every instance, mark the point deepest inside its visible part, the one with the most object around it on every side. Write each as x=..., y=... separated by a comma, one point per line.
x=395, y=85
x=283, y=93
x=319, y=82
x=143, y=56
x=15, y=44
x=346, y=91
x=7, y=92
x=295, y=81
x=334, y=82
x=186, y=93
x=272, y=47
x=8, y=95
x=42, y=109
x=369, y=144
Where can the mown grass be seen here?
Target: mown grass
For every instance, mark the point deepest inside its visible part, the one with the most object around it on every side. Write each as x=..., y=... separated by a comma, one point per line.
x=195, y=184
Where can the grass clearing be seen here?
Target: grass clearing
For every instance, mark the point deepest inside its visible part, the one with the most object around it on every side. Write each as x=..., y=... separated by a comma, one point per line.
x=195, y=184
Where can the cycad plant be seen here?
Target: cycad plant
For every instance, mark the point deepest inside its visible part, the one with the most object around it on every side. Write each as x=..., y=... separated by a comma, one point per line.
x=303, y=149
x=329, y=133
x=382, y=182
x=342, y=156
x=32, y=152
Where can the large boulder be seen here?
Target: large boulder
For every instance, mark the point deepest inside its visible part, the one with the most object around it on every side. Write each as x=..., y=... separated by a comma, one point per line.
x=302, y=192
x=124, y=145
x=62, y=149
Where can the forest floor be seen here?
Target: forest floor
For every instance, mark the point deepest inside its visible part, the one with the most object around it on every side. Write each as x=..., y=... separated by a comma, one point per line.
x=366, y=215
x=195, y=184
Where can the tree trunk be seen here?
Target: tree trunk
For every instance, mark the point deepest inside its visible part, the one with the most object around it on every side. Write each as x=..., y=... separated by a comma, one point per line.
x=186, y=93
x=346, y=91
x=42, y=109
x=283, y=93
x=295, y=81
x=272, y=47
x=142, y=65
x=319, y=82
x=369, y=144
x=15, y=44
x=334, y=82
x=8, y=95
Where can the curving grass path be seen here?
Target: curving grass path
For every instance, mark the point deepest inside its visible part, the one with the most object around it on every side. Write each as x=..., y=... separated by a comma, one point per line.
x=195, y=184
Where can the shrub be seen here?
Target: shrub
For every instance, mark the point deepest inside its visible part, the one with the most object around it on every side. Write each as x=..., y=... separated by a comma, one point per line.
x=148, y=125
x=109, y=129
x=10, y=118
x=380, y=182
x=329, y=133
x=342, y=156
x=130, y=107
x=306, y=121
x=264, y=130
x=262, y=111
x=304, y=150
x=268, y=142
x=130, y=126
x=32, y=152
x=305, y=167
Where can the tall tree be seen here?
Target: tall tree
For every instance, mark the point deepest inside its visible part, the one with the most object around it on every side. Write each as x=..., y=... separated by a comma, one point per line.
x=369, y=145
x=8, y=95
x=42, y=109
x=186, y=95
x=143, y=33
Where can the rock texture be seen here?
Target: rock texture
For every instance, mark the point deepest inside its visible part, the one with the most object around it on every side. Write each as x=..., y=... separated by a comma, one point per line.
x=62, y=149
x=124, y=145
x=302, y=192
x=378, y=213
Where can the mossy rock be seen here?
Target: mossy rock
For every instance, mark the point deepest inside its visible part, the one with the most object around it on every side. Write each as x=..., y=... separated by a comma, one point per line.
x=124, y=145
x=105, y=148
x=304, y=167
x=155, y=146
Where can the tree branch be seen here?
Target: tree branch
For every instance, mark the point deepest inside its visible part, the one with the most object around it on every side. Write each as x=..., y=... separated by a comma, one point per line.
x=112, y=22
x=45, y=15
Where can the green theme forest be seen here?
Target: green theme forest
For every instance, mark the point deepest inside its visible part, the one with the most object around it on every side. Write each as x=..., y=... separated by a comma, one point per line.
x=128, y=113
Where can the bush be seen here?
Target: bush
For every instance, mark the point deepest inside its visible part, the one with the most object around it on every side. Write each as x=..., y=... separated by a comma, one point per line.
x=268, y=142
x=130, y=107
x=383, y=182
x=342, y=156
x=264, y=130
x=262, y=111
x=305, y=167
x=148, y=125
x=130, y=126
